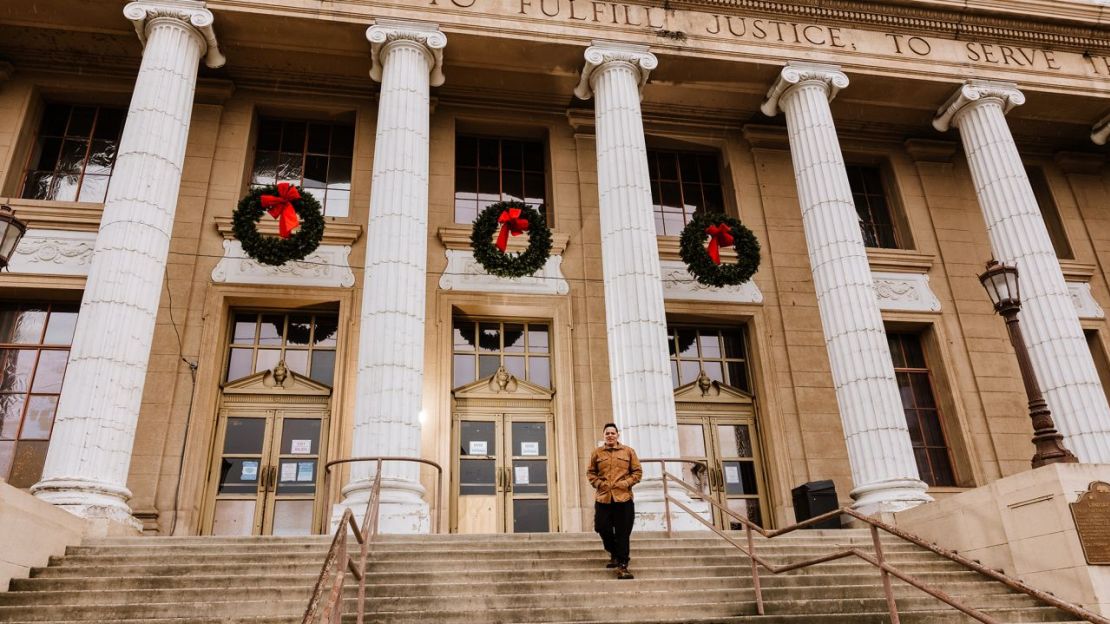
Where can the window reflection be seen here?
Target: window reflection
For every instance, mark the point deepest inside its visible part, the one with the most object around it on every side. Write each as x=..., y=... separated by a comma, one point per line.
x=720, y=352
x=74, y=153
x=480, y=347
x=34, y=351
x=313, y=155
x=306, y=342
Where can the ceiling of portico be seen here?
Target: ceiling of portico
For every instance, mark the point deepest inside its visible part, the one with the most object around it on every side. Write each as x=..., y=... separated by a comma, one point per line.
x=275, y=52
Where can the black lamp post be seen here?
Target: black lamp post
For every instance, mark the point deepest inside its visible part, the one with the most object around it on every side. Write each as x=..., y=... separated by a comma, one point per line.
x=1001, y=282
x=11, y=230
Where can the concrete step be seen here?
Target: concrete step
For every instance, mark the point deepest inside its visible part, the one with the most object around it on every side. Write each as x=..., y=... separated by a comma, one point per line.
x=737, y=585
x=483, y=554
x=448, y=568
x=514, y=607
x=428, y=581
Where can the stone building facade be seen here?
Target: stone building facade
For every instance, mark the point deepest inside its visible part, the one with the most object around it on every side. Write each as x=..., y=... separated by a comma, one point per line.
x=881, y=153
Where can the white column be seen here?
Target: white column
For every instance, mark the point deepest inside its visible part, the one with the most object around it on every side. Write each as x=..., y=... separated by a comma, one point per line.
x=1018, y=236
x=883, y=468
x=90, y=448
x=407, y=59
x=635, y=318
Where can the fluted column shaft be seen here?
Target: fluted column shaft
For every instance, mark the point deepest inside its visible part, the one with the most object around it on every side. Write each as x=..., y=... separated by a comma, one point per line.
x=1018, y=236
x=879, y=449
x=90, y=451
x=391, y=329
x=643, y=395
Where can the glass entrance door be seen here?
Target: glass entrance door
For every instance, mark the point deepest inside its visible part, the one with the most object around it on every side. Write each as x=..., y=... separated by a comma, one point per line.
x=733, y=477
x=503, y=474
x=266, y=472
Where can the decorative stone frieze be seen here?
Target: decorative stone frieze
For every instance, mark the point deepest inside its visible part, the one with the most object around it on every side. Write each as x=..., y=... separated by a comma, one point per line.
x=464, y=273
x=94, y=430
x=1085, y=304
x=54, y=252
x=905, y=292
x=407, y=58
x=679, y=285
x=884, y=471
x=1018, y=236
x=329, y=265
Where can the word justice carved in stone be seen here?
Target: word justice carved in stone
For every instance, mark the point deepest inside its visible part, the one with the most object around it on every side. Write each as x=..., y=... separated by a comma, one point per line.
x=749, y=29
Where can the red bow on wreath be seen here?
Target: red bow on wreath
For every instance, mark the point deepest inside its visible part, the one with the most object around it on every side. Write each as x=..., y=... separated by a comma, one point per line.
x=511, y=223
x=719, y=236
x=280, y=207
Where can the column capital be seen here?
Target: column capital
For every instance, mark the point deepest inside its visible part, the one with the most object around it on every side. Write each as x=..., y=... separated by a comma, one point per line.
x=427, y=36
x=1101, y=131
x=796, y=73
x=192, y=12
x=601, y=52
x=974, y=92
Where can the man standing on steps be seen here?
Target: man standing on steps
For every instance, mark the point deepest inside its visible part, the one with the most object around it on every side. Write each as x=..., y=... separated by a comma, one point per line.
x=612, y=471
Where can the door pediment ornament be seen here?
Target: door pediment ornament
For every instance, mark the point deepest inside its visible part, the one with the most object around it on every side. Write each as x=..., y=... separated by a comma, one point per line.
x=277, y=381
x=502, y=384
x=704, y=390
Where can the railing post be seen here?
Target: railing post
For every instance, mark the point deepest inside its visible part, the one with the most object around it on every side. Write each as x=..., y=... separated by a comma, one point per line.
x=755, y=571
x=666, y=503
x=890, y=603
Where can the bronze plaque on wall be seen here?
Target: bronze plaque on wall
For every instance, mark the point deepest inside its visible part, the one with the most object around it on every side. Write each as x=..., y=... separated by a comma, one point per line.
x=1092, y=522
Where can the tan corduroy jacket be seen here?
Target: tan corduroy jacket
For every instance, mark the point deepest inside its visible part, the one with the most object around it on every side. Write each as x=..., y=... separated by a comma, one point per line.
x=613, y=472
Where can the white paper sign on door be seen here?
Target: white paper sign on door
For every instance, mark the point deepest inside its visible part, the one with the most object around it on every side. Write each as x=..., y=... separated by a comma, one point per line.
x=304, y=471
x=732, y=474
x=250, y=471
x=530, y=448
x=521, y=475
x=289, y=471
x=478, y=447
x=301, y=447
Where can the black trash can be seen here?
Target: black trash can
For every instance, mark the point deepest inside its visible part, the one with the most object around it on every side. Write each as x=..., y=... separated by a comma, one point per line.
x=813, y=499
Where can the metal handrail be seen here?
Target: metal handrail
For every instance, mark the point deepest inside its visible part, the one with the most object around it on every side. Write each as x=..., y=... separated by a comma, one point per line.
x=886, y=570
x=338, y=561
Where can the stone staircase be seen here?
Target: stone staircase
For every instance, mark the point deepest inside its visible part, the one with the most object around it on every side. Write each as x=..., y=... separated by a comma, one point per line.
x=693, y=578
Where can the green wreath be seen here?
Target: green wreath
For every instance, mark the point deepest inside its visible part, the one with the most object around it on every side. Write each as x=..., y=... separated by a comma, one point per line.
x=694, y=251
x=502, y=264
x=269, y=249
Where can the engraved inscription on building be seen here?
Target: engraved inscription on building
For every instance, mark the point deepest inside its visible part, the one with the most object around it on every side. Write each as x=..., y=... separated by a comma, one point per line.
x=1092, y=522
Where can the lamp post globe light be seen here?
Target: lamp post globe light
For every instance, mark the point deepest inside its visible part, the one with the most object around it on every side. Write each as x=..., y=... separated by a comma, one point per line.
x=1001, y=283
x=11, y=231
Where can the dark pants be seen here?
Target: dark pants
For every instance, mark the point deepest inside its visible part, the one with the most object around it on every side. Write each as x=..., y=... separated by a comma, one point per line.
x=613, y=522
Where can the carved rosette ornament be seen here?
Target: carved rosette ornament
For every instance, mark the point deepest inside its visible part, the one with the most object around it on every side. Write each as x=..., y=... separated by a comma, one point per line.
x=143, y=14
x=425, y=37
x=604, y=54
x=798, y=74
x=973, y=93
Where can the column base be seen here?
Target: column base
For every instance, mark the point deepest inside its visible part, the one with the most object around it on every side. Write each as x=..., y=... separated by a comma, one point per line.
x=103, y=506
x=402, y=509
x=892, y=496
x=651, y=511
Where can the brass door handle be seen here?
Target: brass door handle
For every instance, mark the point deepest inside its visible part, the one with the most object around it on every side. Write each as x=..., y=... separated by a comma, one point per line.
x=508, y=478
x=273, y=478
x=500, y=477
x=263, y=478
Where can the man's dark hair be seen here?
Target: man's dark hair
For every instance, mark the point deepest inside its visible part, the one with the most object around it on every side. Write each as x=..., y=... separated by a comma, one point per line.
x=607, y=425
